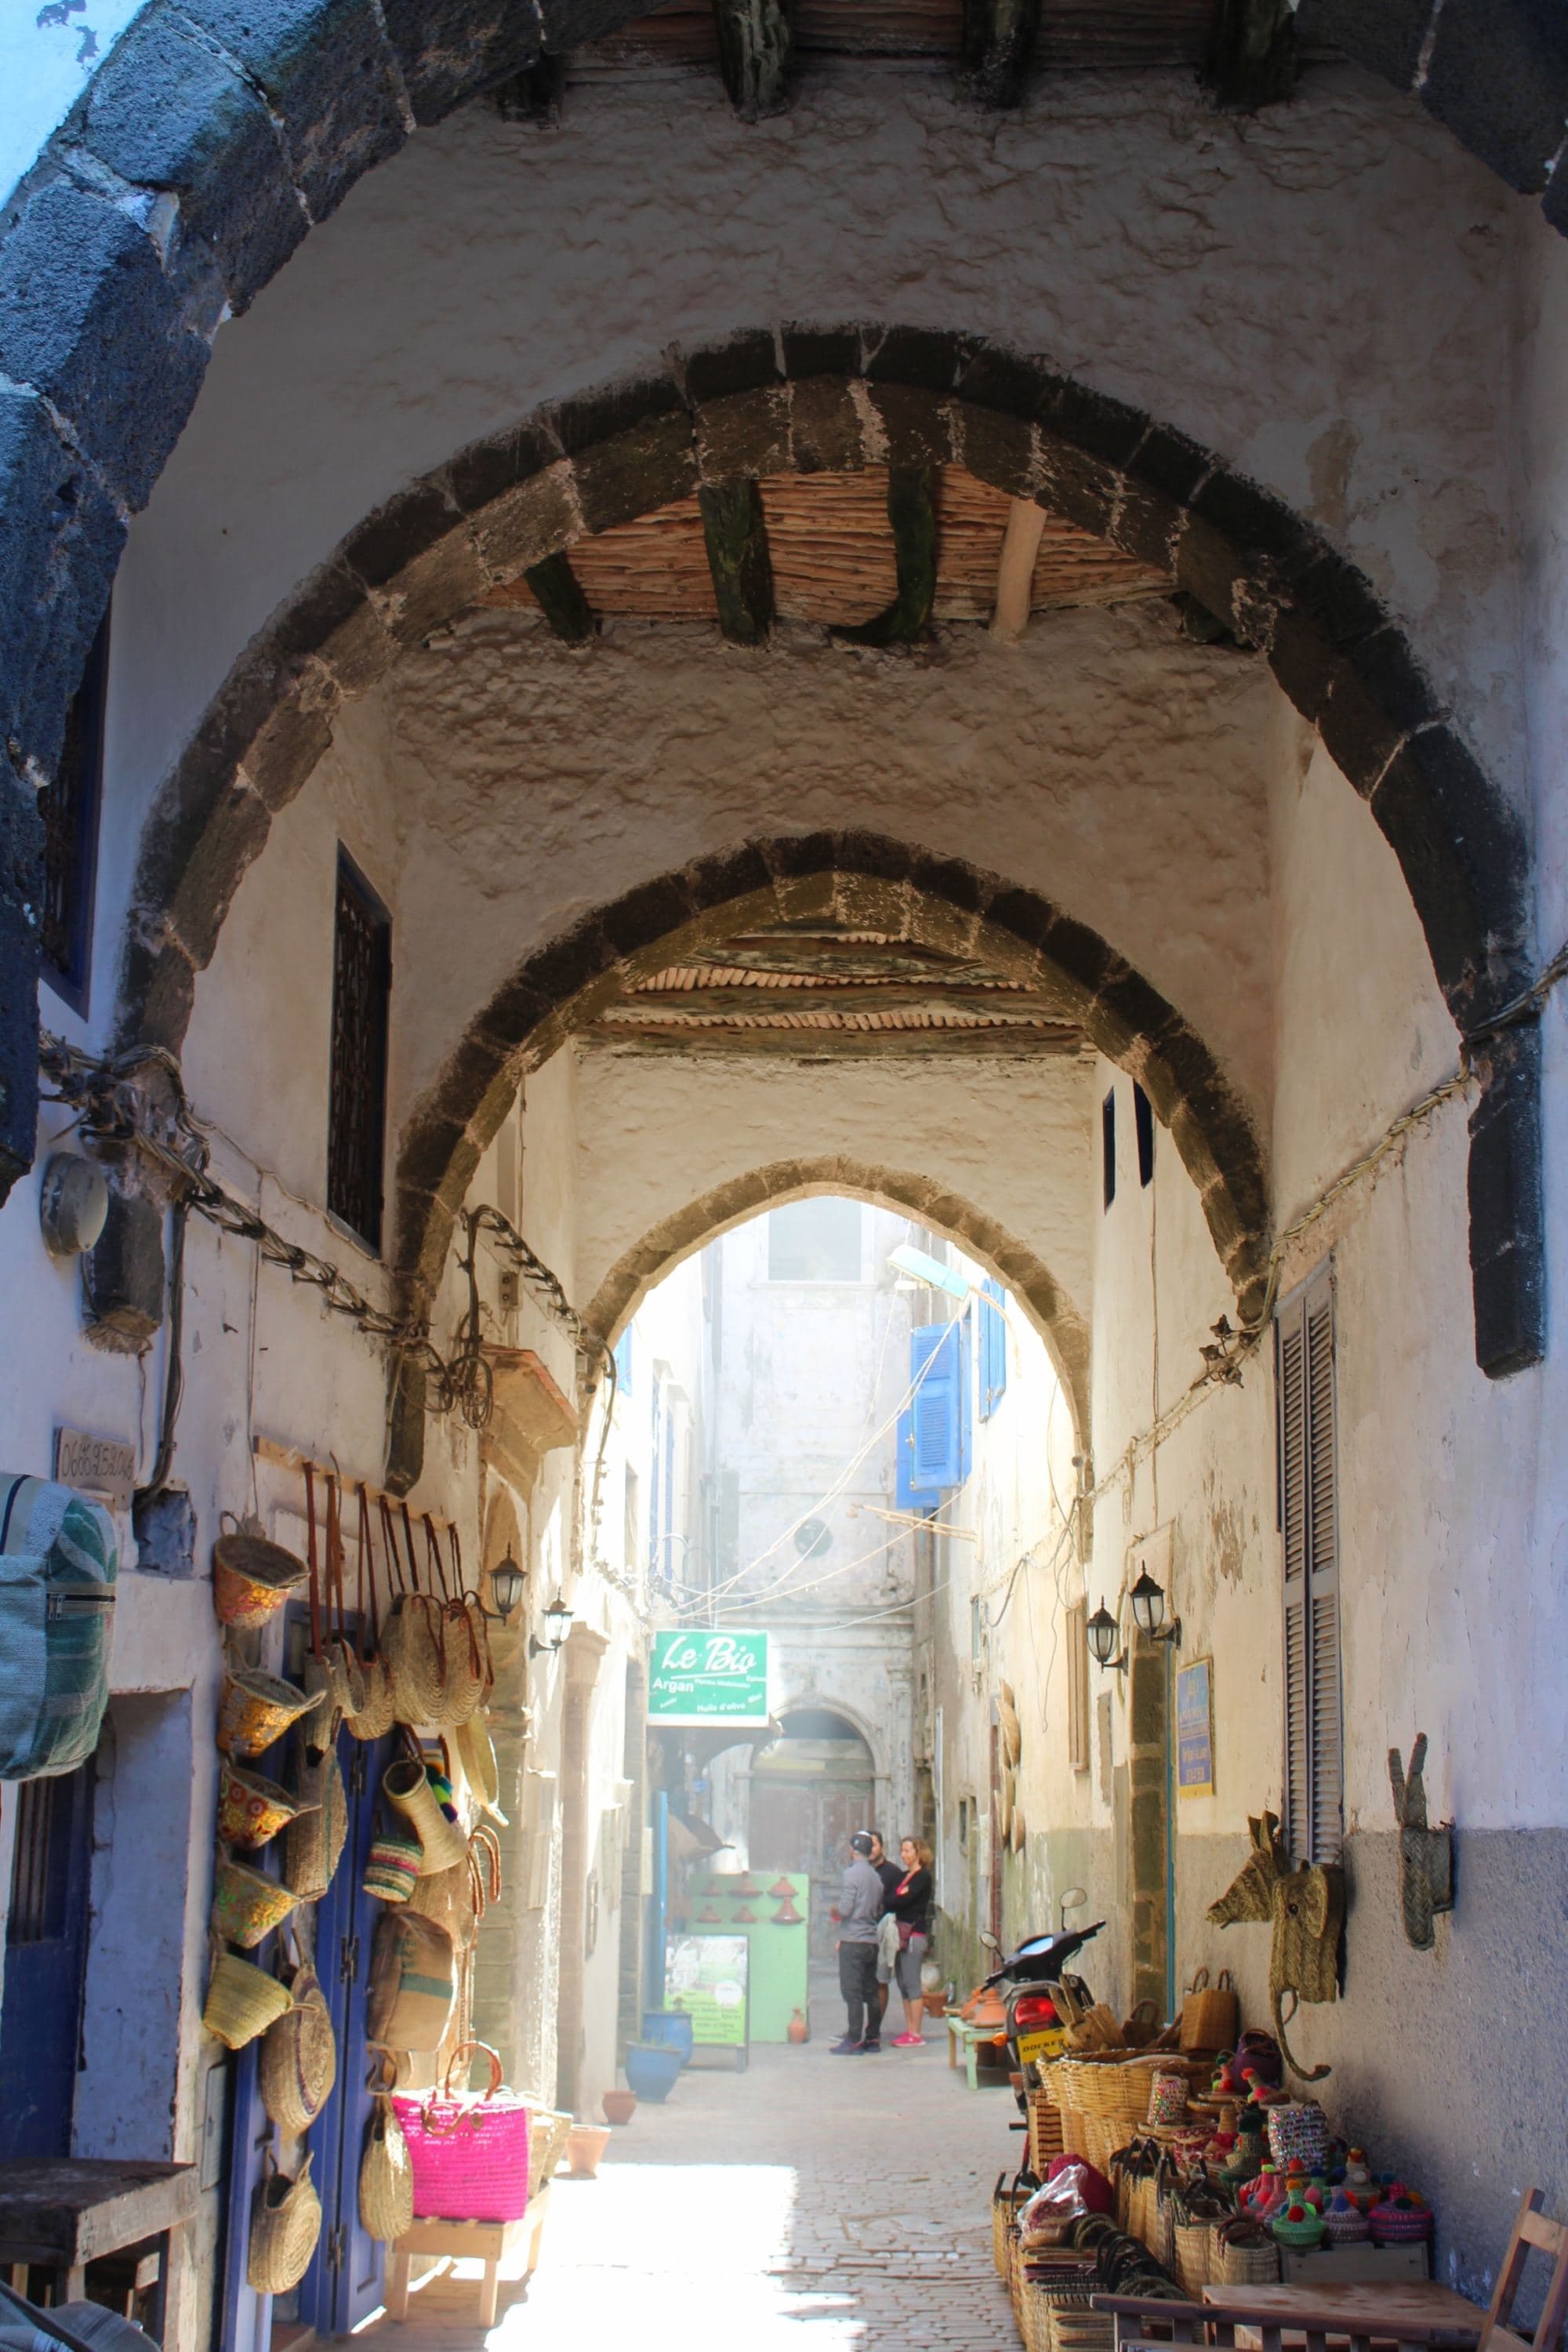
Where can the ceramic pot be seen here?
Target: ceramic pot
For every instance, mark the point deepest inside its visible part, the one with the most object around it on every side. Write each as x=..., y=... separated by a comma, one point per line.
x=671, y=2029
x=652, y=2068
x=619, y=2106
x=797, y=2028
x=586, y=2143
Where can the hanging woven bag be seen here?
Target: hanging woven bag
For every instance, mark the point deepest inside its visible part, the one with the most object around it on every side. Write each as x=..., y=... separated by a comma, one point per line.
x=407, y=1786
x=414, y=1643
x=313, y=1841
x=476, y=1755
x=299, y=2058
x=469, y=1672
x=242, y=2001
x=345, y=1674
x=285, y=2223
x=377, y=1714
x=469, y=2153
x=386, y=2178
x=413, y=1983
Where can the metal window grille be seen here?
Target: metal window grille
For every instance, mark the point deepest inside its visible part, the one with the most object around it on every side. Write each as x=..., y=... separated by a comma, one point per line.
x=67, y=807
x=42, y=1816
x=361, y=986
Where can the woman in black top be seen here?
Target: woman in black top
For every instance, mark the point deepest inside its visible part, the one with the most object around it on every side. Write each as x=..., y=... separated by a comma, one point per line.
x=911, y=1904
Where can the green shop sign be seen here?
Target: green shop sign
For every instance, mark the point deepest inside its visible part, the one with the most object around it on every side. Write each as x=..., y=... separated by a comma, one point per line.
x=708, y=1676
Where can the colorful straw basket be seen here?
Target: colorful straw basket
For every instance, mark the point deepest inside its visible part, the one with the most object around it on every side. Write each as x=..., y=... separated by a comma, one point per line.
x=470, y=2152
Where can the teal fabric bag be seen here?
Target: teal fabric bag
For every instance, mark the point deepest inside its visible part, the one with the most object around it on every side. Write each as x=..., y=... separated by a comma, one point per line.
x=59, y=1558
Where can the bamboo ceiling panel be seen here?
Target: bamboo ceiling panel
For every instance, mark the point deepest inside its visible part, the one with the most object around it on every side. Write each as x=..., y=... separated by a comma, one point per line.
x=654, y=568
x=831, y=547
x=1073, y=34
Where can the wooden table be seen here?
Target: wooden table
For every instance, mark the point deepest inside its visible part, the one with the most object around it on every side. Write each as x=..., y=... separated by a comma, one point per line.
x=60, y=2217
x=489, y=2242
x=1412, y=2302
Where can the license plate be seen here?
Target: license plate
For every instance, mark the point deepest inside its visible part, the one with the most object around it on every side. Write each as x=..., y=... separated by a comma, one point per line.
x=1046, y=2044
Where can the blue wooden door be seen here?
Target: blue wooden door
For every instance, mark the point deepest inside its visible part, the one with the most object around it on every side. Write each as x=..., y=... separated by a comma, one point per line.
x=45, y=1963
x=343, y=2283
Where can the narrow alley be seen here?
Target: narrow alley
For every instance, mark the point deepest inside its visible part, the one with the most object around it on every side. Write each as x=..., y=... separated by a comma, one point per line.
x=853, y=2194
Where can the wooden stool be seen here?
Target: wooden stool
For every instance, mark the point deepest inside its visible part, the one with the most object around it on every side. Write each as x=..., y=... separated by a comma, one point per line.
x=491, y=2243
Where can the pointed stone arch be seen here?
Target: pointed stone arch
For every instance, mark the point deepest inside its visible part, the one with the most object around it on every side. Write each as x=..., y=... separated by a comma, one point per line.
x=1060, y=1324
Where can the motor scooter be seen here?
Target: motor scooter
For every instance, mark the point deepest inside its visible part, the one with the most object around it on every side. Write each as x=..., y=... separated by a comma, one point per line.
x=1040, y=1998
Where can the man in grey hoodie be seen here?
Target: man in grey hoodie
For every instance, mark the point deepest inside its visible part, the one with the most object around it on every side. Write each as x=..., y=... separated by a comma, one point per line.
x=859, y=1907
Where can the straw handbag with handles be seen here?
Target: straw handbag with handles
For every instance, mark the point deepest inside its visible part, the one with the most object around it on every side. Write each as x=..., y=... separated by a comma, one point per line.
x=470, y=2152
x=1211, y=2015
x=313, y=1841
x=386, y=2178
x=242, y=2001
x=414, y=1639
x=285, y=2223
x=377, y=1715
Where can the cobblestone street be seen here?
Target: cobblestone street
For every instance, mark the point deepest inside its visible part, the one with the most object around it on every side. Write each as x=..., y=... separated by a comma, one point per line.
x=852, y=2194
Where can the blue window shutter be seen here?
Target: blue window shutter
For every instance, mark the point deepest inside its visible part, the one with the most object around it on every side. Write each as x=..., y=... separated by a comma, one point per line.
x=993, y=1348
x=624, y=1363
x=965, y=1377
x=904, y=1498
x=936, y=1362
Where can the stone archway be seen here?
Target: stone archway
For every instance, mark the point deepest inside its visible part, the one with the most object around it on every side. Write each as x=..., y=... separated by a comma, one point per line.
x=1058, y=1321
x=843, y=398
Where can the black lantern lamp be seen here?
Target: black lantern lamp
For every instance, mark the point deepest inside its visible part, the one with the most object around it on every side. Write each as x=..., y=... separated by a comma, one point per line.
x=1102, y=1639
x=506, y=1580
x=558, y=1624
x=1148, y=1601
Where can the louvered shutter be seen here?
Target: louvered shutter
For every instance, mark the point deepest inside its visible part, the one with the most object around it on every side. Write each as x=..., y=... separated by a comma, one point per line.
x=1314, y=1766
x=935, y=1360
x=1324, y=1730
x=993, y=1348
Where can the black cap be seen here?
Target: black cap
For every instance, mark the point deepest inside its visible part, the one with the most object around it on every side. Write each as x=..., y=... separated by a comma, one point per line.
x=861, y=1842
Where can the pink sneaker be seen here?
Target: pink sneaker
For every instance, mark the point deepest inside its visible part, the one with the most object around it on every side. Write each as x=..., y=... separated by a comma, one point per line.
x=909, y=2042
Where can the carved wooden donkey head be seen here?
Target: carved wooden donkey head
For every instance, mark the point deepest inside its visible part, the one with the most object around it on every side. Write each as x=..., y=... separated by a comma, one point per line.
x=1306, y=1907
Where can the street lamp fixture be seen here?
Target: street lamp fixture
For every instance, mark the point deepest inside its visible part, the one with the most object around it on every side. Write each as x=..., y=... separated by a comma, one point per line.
x=1102, y=1640
x=558, y=1624
x=506, y=1580
x=1148, y=1601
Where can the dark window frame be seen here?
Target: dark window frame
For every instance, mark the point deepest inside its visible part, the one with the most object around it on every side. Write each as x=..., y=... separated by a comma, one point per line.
x=67, y=942
x=1108, y=1147
x=1307, y=1409
x=1144, y=1127
x=356, y=1172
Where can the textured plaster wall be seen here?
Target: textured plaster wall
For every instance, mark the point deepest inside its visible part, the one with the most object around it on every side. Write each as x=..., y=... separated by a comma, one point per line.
x=689, y=1124
x=1097, y=762
x=1323, y=295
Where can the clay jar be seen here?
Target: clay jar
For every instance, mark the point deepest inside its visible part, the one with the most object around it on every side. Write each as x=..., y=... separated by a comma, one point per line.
x=586, y=2143
x=619, y=2106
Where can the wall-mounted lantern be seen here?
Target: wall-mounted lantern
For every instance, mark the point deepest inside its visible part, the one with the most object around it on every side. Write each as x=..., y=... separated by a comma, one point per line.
x=557, y=1624
x=1148, y=1601
x=506, y=1580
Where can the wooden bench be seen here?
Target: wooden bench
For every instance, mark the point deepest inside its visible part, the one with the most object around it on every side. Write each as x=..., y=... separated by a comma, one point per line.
x=489, y=2242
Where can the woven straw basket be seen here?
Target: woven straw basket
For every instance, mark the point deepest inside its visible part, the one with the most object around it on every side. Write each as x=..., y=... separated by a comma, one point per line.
x=548, y=2133
x=406, y=1785
x=285, y=2223
x=412, y=1643
x=314, y=1844
x=251, y=1809
x=242, y=2002
x=386, y=2178
x=246, y=1906
x=298, y=2062
x=255, y=1710
x=252, y=1579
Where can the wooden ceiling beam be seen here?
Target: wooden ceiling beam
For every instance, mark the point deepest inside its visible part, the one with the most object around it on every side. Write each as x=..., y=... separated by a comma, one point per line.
x=737, y=541
x=558, y=593
x=835, y=1044
x=1015, y=569
x=1251, y=57
x=999, y=39
x=913, y=519
x=756, y=46
x=705, y=1004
